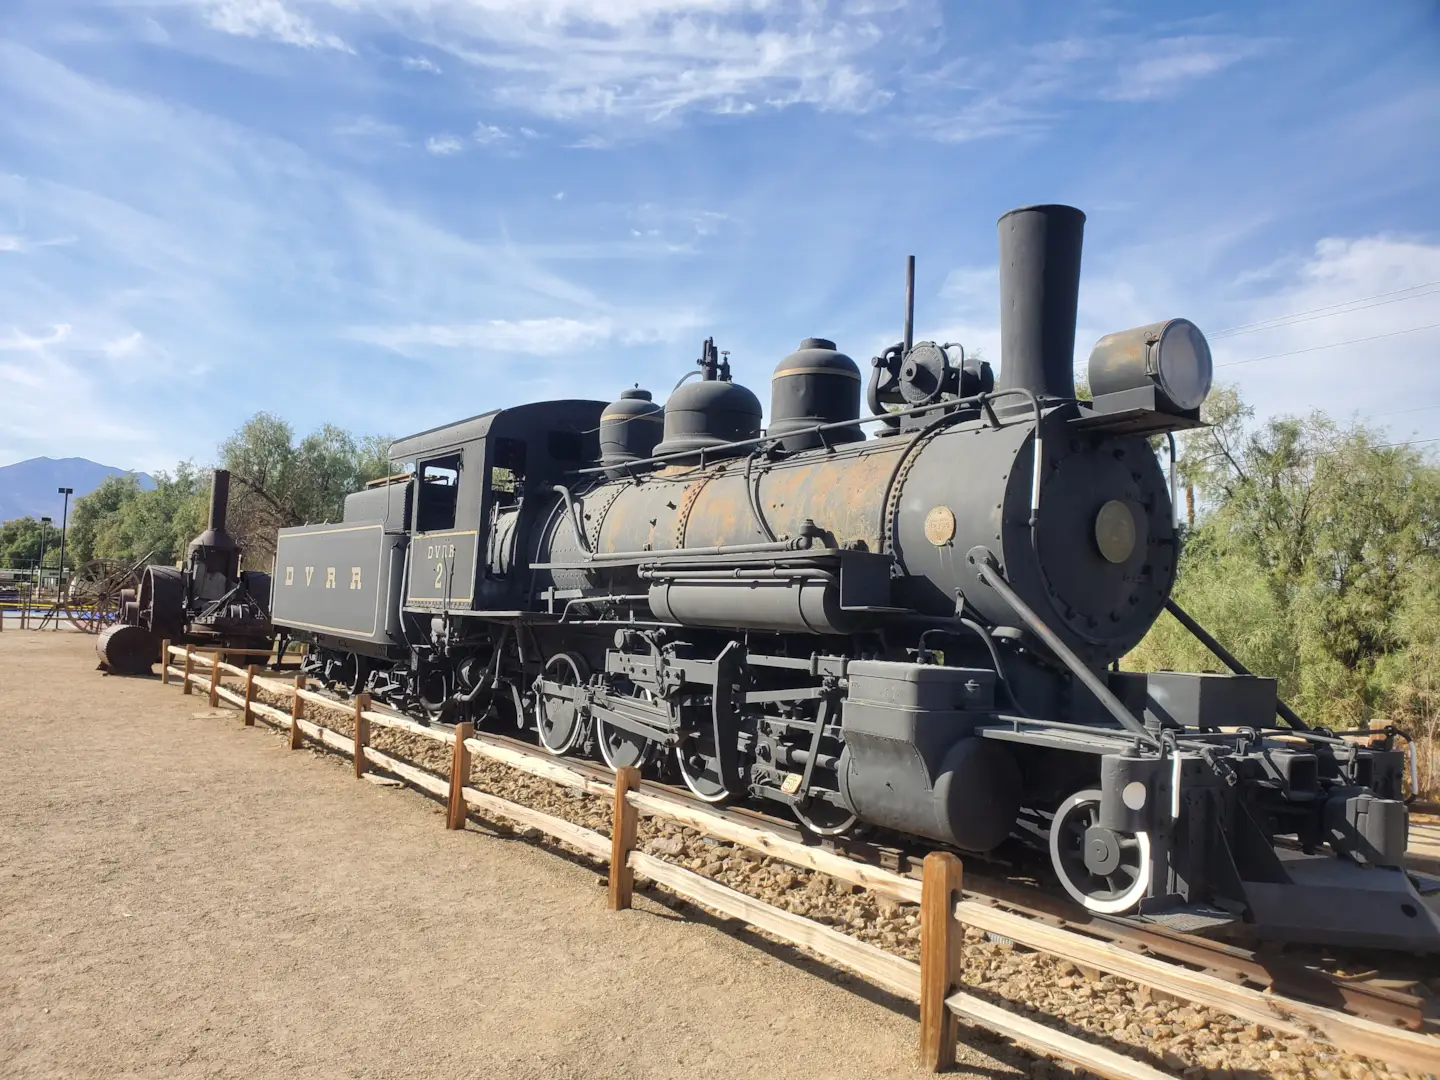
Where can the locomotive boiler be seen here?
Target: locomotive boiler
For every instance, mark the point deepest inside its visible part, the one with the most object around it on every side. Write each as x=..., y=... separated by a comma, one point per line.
x=913, y=628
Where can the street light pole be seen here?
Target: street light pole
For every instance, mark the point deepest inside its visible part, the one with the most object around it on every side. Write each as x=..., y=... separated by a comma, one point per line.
x=64, y=517
x=39, y=575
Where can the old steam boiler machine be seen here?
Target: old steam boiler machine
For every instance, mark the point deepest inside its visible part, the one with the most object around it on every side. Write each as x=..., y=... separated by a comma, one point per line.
x=910, y=630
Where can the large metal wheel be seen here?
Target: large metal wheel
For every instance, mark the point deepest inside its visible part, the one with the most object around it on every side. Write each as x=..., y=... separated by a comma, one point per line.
x=558, y=720
x=620, y=748
x=1106, y=871
x=94, y=599
x=824, y=818
x=700, y=768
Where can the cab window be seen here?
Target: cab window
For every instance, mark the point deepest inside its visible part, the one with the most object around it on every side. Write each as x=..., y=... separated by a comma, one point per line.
x=439, y=485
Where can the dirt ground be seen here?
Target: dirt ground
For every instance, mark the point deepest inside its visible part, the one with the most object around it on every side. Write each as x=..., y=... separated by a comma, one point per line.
x=182, y=897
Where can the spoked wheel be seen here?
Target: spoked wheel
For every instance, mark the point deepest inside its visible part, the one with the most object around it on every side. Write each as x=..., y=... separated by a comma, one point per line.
x=1106, y=871
x=620, y=748
x=94, y=599
x=700, y=768
x=557, y=718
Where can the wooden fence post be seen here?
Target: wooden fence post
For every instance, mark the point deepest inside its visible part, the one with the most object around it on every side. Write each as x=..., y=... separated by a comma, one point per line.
x=214, y=680
x=459, y=774
x=622, y=839
x=189, y=667
x=362, y=733
x=942, y=942
x=297, y=712
x=165, y=662
x=250, y=670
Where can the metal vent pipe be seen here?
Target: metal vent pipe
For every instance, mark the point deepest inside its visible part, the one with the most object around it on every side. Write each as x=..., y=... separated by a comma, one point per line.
x=1039, y=293
x=219, y=499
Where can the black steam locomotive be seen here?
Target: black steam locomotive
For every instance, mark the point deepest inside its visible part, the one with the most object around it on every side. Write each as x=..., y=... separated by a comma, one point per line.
x=914, y=631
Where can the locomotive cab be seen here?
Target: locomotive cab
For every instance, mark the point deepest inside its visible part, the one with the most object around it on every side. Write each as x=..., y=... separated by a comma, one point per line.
x=476, y=483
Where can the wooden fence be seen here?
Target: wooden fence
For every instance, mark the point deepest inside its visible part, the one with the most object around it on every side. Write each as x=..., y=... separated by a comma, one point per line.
x=934, y=983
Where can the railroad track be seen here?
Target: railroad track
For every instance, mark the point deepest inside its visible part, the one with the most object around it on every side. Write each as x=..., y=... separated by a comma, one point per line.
x=1383, y=989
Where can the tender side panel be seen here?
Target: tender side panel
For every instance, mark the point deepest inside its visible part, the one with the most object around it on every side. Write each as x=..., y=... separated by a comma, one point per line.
x=338, y=579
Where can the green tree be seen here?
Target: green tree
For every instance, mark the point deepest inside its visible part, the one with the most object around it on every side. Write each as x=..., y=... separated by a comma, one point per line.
x=278, y=482
x=1312, y=543
x=23, y=539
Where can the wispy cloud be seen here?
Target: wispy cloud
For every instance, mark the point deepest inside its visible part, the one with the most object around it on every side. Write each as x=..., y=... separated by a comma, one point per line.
x=420, y=63
x=22, y=245
x=1027, y=93
x=554, y=336
x=443, y=145
x=1168, y=64
x=270, y=19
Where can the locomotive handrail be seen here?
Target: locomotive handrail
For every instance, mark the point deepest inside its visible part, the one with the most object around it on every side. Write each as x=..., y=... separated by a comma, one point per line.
x=980, y=400
x=795, y=544
x=985, y=568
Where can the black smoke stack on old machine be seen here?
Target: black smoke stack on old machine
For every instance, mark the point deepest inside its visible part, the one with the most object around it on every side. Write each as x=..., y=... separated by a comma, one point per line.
x=1039, y=294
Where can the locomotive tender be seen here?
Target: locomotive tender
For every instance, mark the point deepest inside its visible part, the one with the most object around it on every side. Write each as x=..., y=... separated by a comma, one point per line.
x=917, y=630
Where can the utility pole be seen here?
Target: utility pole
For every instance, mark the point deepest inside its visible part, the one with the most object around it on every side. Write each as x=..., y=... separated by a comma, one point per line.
x=64, y=517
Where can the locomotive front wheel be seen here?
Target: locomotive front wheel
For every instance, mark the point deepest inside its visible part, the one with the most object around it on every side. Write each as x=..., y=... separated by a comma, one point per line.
x=558, y=721
x=1106, y=871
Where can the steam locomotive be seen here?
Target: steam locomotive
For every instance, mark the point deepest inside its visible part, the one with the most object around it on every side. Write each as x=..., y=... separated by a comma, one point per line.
x=916, y=630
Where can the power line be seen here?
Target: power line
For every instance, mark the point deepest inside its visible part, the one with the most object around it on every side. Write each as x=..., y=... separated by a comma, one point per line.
x=1326, y=311
x=1399, y=412
x=1406, y=442
x=1332, y=345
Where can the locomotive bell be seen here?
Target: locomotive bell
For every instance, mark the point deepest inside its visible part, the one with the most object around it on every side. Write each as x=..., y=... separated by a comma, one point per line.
x=816, y=384
x=711, y=412
x=629, y=430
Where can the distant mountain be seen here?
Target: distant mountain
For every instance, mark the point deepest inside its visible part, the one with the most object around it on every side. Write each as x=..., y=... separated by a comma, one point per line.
x=29, y=488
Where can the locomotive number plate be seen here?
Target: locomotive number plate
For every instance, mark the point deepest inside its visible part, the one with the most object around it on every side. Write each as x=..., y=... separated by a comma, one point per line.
x=940, y=526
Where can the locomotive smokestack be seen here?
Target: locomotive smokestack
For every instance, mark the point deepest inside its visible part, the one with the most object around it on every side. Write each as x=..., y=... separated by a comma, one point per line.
x=1039, y=293
x=219, y=499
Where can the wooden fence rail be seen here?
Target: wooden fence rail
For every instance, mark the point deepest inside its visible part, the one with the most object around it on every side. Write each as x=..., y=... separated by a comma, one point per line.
x=934, y=983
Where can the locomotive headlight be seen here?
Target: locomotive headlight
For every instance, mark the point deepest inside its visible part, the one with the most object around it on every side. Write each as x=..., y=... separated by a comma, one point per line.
x=1173, y=357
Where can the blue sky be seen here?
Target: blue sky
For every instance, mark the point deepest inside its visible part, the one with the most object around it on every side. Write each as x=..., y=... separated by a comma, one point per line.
x=388, y=214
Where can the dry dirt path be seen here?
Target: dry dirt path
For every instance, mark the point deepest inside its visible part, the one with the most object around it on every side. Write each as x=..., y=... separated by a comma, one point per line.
x=181, y=897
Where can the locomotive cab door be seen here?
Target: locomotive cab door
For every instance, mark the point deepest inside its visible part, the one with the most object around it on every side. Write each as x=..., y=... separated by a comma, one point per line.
x=506, y=500
x=446, y=530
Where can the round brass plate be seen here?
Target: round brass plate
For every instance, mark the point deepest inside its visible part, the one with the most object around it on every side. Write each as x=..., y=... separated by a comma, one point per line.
x=1115, y=531
x=940, y=526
